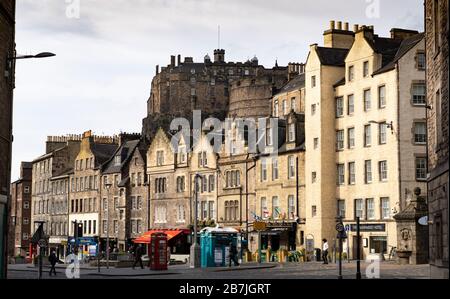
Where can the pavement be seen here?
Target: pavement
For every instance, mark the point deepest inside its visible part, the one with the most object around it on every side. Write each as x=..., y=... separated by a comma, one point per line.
x=310, y=270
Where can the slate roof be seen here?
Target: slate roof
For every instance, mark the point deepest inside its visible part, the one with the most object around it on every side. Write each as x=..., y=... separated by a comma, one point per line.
x=125, y=151
x=103, y=152
x=402, y=49
x=332, y=56
x=296, y=83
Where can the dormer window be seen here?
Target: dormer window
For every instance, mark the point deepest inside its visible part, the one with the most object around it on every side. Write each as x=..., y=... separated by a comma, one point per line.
x=117, y=160
x=291, y=132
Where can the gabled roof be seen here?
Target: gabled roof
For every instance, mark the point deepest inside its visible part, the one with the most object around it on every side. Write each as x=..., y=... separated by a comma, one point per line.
x=125, y=151
x=102, y=152
x=332, y=56
x=405, y=46
x=295, y=84
x=385, y=46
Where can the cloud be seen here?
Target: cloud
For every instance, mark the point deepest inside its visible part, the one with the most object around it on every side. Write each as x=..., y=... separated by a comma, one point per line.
x=100, y=78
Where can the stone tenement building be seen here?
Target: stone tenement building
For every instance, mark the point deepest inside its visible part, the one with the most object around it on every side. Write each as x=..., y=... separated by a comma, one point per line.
x=126, y=204
x=49, y=184
x=7, y=49
x=366, y=134
x=20, y=213
x=185, y=86
x=437, y=30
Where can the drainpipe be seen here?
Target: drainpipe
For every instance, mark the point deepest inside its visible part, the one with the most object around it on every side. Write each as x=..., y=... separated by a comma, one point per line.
x=246, y=190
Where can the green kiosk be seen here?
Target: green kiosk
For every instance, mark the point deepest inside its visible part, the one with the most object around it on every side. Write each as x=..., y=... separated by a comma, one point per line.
x=216, y=243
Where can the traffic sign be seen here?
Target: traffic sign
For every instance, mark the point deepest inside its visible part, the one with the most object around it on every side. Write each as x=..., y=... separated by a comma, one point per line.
x=347, y=227
x=42, y=243
x=340, y=227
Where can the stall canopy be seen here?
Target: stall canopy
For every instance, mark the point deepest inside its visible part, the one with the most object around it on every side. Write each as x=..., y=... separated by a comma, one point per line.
x=145, y=238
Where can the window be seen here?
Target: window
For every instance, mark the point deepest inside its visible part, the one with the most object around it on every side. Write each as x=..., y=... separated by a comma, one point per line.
x=291, y=167
x=368, y=171
x=275, y=108
x=365, y=69
x=139, y=179
x=263, y=170
x=438, y=119
x=291, y=207
x=159, y=158
x=350, y=104
x=161, y=214
x=339, y=107
x=314, y=176
x=284, y=107
x=105, y=226
x=420, y=132
x=385, y=208
x=418, y=94
x=382, y=168
x=359, y=208
x=274, y=169
x=105, y=204
x=437, y=25
x=276, y=212
x=212, y=183
x=182, y=154
x=382, y=133
x=181, y=216
x=233, y=178
x=204, y=184
x=367, y=136
x=116, y=226
x=421, y=168
x=340, y=140
x=341, y=208
x=25, y=236
x=313, y=81
x=340, y=174
x=202, y=159
x=264, y=210
x=26, y=205
x=367, y=100
x=26, y=221
x=381, y=96
x=316, y=143
x=351, y=173
x=370, y=208
x=180, y=184
x=314, y=211
x=351, y=73
x=117, y=160
x=351, y=137
x=313, y=109
x=211, y=210
x=133, y=203
x=291, y=132
x=293, y=104
x=26, y=189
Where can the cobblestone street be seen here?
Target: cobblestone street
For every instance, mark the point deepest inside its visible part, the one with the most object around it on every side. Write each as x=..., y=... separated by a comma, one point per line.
x=388, y=270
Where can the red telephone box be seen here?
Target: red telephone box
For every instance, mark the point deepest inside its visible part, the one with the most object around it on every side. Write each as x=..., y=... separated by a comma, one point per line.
x=157, y=251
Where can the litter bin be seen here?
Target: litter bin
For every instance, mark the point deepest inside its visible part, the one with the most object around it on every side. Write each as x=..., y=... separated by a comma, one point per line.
x=318, y=254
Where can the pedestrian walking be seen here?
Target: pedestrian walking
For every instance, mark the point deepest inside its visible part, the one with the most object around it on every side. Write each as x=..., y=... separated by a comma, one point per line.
x=138, y=257
x=53, y=260
x=325, y=251
x=233, y=255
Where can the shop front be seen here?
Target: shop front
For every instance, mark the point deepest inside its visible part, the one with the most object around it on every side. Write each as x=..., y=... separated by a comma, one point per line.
x=178, y=240
x=59, y=245
x=375, y=240
x=86, y=247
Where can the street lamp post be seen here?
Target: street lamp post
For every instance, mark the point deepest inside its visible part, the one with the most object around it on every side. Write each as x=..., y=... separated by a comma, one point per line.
x=195, y=247
x=108, y=186
x=6, y=173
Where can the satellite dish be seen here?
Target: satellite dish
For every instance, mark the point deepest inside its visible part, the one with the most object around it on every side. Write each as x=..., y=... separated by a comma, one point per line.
x=423, y=220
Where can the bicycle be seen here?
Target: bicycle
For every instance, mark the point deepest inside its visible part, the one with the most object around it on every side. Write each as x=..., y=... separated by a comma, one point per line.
x=392, y=252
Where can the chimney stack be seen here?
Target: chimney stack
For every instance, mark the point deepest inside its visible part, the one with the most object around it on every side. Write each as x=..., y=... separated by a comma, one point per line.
x=157, y=69
x=179, y=60
x=346, y=26
x=335, y=37
x=332, y=25
x=355, y=27
x=339, y=25
x=172, y=60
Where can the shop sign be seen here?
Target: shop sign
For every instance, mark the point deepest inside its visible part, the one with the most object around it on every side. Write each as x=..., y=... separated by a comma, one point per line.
x=259, y=226
x=369, y=227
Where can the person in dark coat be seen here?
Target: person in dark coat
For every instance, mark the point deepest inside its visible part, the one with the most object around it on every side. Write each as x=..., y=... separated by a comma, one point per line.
x=234, y=255
x=53, y=259
x=138, y=257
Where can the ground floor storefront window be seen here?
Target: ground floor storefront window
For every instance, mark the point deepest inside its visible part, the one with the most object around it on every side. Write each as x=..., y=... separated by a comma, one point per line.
x=378, y=244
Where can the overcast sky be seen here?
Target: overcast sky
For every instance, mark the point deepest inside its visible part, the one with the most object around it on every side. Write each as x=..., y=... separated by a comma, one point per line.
x=100, y=78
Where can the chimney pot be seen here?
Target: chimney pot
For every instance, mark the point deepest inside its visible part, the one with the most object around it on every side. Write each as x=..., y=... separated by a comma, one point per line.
x=346, y=26
x=355, y=27
x=332, y=25
x=179, y=60
x=339, y=25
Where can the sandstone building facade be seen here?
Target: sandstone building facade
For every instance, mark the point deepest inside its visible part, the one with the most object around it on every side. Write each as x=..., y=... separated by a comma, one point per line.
x=366, y=133
x=437, y=30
